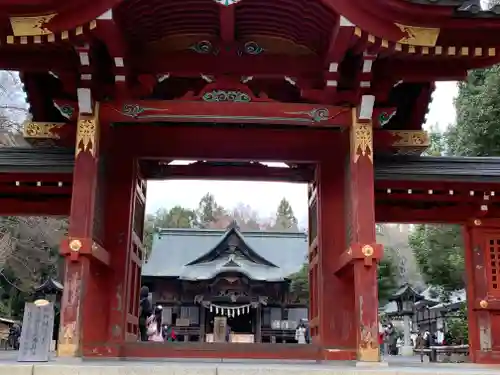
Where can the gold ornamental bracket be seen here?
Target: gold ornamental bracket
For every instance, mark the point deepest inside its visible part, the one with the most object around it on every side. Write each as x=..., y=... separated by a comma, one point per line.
x=87, y=133
x=409, y=142
x=31, y=26
x=419, y=36
x=33, y=29
x=361, y=138
x=42, y=130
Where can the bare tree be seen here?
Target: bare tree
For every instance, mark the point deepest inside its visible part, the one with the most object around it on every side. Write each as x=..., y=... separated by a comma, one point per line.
x=13, y=106
x=30, y=249
x=488, y=4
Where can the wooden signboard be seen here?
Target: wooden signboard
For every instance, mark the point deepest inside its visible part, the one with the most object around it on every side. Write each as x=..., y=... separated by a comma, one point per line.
x=37, y=330
x=220, y=327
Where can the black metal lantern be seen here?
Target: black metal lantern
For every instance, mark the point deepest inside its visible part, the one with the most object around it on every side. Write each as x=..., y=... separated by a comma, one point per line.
x=405, y=299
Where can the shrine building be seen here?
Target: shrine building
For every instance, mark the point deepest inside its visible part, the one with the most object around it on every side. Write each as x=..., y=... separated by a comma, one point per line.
x=338, y=90
x=197, y=275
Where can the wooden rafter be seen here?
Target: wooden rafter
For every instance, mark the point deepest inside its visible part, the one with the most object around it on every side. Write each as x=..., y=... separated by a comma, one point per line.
x=108, y=32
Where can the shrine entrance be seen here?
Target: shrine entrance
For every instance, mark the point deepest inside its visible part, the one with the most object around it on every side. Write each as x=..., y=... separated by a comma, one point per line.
x=338, y=90
x=116, y=199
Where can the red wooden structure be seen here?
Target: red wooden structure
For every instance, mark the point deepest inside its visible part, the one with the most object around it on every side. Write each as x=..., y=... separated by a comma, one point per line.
x=338, y=89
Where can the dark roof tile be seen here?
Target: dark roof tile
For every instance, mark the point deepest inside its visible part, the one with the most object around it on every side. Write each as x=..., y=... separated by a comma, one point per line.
x=174, y=249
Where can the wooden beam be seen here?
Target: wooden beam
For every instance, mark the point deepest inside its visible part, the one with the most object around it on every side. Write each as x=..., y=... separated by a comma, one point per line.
x=79, y=12
x=357, y=252
x=235, y=143
x=457, y=214
x=39, y=61
x=74, y=247
x=420, y=70
x=231, y=111
x=191, y=64
x=22, y=206
x=340, y=41
x=107, y=31
x=360, y=14
x=219, y=171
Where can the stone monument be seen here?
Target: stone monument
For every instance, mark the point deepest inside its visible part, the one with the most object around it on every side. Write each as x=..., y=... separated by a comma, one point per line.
x=37, y=330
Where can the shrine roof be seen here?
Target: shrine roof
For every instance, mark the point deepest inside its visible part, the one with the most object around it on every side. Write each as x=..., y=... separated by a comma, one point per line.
x=182, y=253
x=50, y=285
x=396, y=168
x=468, y=8
x=404, y=292
x=421, y=168
x=20, y=159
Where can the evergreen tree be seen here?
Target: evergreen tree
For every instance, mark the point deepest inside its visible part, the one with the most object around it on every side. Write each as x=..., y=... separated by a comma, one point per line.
x=285, y=218
x=477, y=129
x=439, y=248
x=440, y=255
x=208, y=211
x=176, y=217
x=387, y=276
x=387, y=279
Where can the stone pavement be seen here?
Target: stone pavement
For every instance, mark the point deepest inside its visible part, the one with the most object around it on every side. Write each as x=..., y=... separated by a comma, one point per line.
x=393, y=366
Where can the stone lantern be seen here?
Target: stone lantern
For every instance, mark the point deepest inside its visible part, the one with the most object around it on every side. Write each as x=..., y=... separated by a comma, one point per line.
x=405, y=299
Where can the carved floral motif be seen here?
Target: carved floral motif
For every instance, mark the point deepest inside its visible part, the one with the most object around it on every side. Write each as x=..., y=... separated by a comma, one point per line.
x=409, y=138
x=361, y=139
x=226, y=96
x=385, y=117
x=66, y=110
x=86, y=133
x=132, y=110
x=316, y=115
x=204, y=47
x=41, y=130
x=252, y=48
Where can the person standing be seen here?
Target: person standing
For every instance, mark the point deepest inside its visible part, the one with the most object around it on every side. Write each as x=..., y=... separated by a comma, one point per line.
x=154, y=325
x=145, y=311
x=300, y=333
x=440, y=337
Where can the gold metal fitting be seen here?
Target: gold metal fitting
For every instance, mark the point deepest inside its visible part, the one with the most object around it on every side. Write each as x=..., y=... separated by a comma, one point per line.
x=483, y=304
x=75, y=245
x=367, y=250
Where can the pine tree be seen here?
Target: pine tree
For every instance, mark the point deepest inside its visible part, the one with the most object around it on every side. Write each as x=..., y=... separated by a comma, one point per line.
x=285, y=218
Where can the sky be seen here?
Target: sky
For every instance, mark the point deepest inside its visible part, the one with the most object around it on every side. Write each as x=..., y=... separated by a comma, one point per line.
x=264, y=197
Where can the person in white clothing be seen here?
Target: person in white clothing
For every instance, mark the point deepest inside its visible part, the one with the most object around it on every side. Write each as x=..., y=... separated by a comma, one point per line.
x=154, y=325
x=300, y=333
x=440, y=337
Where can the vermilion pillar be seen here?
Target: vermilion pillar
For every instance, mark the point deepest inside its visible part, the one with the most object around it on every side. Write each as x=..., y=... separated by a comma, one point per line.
x=343, y=251
x=482, y=261
x=82, y=320
x=362, y=252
